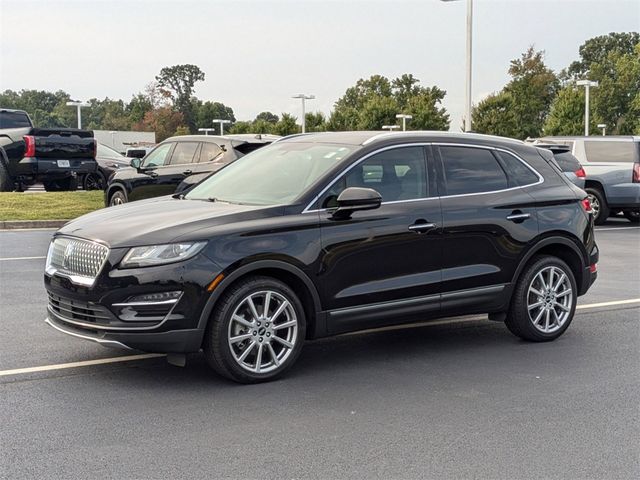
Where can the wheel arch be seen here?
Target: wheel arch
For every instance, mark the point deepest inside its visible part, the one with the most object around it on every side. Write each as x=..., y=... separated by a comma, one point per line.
x=287, y=273
x=561, y=246
x=114, y=187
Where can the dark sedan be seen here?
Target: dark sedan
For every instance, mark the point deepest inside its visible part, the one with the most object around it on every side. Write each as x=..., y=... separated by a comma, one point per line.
x=172, y=163
x=109, y=162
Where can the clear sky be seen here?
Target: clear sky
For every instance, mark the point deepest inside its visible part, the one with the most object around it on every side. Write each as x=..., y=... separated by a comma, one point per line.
x=257, y=53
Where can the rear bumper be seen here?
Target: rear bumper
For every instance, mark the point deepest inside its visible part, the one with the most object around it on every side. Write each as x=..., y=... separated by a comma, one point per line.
x=175, y=341
x=50, y=169
x=589, y=277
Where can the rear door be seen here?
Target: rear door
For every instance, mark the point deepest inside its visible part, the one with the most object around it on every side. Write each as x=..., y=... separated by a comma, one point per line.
x=179, y=167
x=382, y=265
x=488, y=219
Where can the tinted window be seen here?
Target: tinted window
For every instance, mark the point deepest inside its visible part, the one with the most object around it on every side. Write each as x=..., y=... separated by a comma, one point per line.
x=209, y=152
x=184, y=153
x=14, y=120
x=604, y=151
x=397, y=174
x=519, y=173
x=471, y=170
x=567, y=162
x=158, y=157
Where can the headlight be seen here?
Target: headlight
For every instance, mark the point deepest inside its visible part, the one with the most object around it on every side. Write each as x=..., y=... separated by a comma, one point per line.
x=160, y=254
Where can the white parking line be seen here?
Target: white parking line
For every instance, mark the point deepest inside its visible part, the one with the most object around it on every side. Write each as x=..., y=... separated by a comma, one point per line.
x=144, y=356
x=20, y=258
x=86, y=363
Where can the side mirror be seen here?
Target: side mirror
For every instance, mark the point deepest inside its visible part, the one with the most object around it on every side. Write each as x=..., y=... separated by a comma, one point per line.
x=355, y=198
x=136, y=163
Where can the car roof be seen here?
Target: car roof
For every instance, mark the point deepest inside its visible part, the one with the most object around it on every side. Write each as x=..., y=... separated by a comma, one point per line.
x=375, y=137
x=594, y=138
x=11, y=110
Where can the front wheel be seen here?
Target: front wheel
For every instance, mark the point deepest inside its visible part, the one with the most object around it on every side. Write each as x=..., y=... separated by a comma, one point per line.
x=544, y=300
x=256, y=331
x=633, y=215
x=118, y=198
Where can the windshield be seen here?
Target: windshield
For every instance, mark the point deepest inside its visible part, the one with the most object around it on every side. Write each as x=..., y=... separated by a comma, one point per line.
x=273, y=175
x=107, y=152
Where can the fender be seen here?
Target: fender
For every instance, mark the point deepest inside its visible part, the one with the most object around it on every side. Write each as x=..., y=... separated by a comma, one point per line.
x=546, y=241
x=252, y=267
x=116, y=186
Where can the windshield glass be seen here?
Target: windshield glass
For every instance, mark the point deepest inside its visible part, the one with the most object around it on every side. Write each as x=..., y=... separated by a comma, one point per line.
x=273, y=175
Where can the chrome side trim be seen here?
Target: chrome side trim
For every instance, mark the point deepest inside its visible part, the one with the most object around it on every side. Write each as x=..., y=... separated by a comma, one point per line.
x=101, y=341
x=423, y=144
x=142, y=304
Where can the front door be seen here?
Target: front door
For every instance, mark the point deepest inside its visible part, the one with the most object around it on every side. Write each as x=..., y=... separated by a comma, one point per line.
x=382, y=266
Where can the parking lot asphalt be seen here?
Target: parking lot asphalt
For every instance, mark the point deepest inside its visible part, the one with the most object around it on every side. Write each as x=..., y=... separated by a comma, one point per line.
x=458, y=400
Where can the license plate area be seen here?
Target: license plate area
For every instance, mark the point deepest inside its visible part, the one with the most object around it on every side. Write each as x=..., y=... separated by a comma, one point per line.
x=64, y=164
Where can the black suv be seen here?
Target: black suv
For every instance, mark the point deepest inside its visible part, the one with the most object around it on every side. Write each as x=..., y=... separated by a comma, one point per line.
x=178, y=163
x=326, y=233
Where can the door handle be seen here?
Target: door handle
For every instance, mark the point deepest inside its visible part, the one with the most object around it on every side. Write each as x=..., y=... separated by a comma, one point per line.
x=187, y=172
x=422, y=227
x=518, y=217
x=152, y=174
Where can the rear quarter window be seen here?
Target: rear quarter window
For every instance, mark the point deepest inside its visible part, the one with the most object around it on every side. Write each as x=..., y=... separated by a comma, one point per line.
x=519, y=173
x=611, y=151
x=567, y=162
x=470, y=170
x=14, y=120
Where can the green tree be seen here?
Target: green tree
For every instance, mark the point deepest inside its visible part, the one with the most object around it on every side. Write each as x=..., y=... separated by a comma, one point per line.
x=164, y=121
x=268, y=117
x=286, y=125
x=240, y=127
x=567, y=113
x=180, y=81
x=315, y=122
x=495, y=115
x=598, y=50
x=208, y=111
x=425, y=110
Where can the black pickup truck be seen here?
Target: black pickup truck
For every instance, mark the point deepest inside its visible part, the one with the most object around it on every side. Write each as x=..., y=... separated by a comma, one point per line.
x=55, y=157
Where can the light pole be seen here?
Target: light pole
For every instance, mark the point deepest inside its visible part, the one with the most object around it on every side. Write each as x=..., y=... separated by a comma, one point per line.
x=221, y=122
x=467, y=99
x=404, y=118
x=587, y=84
x=391, y=128
x=79, y=105
x=603, y=126
x=304, y=97
x=206, y=130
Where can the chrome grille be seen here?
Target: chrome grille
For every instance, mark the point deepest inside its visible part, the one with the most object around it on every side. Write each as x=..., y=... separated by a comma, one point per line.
x=80, y=260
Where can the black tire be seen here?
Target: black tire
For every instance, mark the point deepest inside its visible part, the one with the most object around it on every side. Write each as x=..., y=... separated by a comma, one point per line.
x=518, y=320
x=68, y=184
x=6, y=184
x=117, y=198
x=633, y=215
x=599, y=205
x=216, y=346
x=94, y=181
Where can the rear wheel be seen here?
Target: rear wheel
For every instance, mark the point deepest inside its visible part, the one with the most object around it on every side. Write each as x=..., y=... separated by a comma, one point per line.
x=6, y=184
x=94, y=181
x=598, y=204
x=118, y=198
x=544, y=300
x=256, y=331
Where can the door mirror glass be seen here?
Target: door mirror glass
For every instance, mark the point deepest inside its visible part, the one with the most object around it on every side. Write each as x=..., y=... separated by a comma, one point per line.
x=136, y=163
x=356, y=198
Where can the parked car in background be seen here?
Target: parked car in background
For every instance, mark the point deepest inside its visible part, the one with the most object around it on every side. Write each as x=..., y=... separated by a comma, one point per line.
x=174, y=160
x=612, y=165
x=109, y=161
x=54, y=156
x=137, y=152
x=567, y=162
x=322, y=234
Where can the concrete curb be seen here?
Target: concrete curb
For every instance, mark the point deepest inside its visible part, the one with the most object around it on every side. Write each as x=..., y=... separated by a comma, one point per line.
x=26, y=224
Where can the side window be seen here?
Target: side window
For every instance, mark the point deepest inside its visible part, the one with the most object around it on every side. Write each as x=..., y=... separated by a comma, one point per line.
x=606, y=151
x=184, y=153
x=158, y=157
x=209, y=152
x=471, y=170
x=397, y=174
x=519, y=173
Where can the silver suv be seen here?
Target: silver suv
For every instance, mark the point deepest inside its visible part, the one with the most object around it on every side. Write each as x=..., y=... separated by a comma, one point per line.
x=612, y=165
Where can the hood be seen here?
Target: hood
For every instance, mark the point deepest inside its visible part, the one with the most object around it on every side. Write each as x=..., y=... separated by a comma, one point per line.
x=157, y=221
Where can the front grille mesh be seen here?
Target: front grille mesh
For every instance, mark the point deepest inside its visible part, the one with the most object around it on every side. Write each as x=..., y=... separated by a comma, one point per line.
x=79, y=311
x=76, y=257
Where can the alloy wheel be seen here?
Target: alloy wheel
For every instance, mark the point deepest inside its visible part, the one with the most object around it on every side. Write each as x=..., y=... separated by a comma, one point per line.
x=550, y=299
x=595, y=205
x=263, y=331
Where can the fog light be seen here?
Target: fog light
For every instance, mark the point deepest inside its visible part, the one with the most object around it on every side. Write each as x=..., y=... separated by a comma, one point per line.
x=148, y=307
x=155, y=297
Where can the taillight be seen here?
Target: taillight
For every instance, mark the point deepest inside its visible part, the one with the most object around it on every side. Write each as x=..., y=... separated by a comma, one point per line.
x=636, y=173
x=580, y=173
x=593, y=268
x=586, y=205
x=29, y=146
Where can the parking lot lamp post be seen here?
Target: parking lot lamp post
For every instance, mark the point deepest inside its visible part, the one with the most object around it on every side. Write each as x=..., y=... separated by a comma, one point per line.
x=304, y=97
x=467, y=101
x=404, y=118
x=391, y=128
x=603, y=126
x=206, y=130
x=79, y=105
x=587, y=84
x=221, y=122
